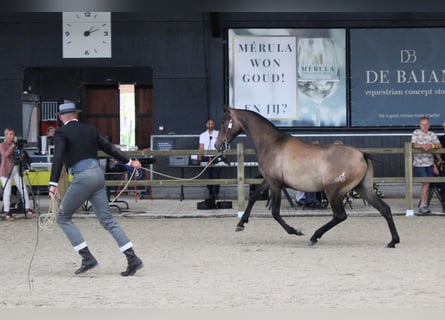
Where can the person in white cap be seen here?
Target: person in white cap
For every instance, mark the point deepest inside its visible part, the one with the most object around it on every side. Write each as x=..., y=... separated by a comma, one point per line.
x=76, y=146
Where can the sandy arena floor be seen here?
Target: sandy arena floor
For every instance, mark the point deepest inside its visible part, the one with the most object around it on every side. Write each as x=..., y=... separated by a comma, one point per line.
x=203, y=263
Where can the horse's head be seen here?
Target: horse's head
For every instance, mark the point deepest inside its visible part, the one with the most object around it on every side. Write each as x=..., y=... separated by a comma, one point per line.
x=228, y=130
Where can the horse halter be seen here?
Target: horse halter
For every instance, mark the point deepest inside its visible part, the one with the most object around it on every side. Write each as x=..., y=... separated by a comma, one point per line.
x=229, y=126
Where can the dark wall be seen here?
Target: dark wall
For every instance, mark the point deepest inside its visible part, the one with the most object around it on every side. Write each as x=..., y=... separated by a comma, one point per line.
x=57, y=83
x=172, y=46
x=186, y=53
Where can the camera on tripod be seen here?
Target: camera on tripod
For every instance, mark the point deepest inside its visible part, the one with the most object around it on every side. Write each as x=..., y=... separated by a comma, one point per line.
x=19, y=145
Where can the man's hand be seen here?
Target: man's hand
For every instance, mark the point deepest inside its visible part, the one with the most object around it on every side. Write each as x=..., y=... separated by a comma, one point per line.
x=53, y=192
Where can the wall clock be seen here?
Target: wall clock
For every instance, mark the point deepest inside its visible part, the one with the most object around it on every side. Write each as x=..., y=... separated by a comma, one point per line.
x=86, y=34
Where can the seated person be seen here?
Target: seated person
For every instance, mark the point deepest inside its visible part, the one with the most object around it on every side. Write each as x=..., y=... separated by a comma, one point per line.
x=313, y=200
x=207, y=141
x=300, y=198
x=50, y=131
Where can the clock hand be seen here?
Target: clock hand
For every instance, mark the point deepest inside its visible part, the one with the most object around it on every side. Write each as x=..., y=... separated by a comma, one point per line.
x=90, y=31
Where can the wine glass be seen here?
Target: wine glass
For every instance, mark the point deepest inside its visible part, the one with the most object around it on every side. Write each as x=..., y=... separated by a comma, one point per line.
x=318, y=72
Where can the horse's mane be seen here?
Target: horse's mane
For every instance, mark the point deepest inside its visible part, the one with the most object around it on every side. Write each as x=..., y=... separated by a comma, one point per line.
x=269, y=126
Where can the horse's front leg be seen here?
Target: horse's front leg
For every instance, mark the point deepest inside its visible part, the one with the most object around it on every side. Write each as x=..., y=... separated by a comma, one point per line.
x=276, y=203
x=262, y=188
x=339, y=215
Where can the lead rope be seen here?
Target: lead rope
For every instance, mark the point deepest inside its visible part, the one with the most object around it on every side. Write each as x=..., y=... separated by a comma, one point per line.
x=166, y=176
x=125, y=186
x=46, y=220
x=185, y=179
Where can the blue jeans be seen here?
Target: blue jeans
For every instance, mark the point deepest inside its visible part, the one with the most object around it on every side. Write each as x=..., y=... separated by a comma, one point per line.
x=310, y=197
x=424, y=171
x=89, y=184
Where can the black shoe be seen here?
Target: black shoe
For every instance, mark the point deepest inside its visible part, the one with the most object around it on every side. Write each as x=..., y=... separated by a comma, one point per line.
x=132, y=267
x=134, y=263
x=88, y=261
x=86, y=266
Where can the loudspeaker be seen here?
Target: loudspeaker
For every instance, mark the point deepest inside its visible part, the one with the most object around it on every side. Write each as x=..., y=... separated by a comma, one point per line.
x=215, y=24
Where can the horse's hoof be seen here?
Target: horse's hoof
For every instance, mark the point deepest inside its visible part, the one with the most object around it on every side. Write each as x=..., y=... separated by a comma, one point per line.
x=312, y=243
x=393, y=243
x=296, y=232
x=239, y=228
x=299, y=232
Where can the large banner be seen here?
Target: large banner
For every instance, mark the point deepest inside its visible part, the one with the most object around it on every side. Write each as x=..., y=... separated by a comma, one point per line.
x=397, y=76
x=293, y=77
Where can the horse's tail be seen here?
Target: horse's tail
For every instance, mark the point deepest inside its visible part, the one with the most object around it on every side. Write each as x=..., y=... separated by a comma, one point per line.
x=368, y=156
x=368, y=176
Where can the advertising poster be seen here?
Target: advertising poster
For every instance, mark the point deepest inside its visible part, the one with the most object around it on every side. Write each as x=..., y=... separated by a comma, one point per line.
x=397, y=76
x=293, y=77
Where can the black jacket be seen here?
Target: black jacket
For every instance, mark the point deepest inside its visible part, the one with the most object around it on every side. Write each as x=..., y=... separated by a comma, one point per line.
x=77, y=141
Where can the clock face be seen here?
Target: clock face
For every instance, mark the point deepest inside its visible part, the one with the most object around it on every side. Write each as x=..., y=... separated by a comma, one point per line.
x=87, y=35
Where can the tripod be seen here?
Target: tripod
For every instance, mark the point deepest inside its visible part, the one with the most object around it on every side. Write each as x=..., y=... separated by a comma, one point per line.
x=16, y=173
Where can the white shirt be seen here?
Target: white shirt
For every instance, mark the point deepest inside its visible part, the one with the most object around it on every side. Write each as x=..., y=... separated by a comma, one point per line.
x=209, y=143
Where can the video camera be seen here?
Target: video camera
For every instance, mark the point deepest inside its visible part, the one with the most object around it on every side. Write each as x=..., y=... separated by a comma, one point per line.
x=19, y=145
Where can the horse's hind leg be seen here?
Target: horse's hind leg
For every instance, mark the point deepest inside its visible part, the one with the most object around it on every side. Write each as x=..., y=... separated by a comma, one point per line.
x=366, y=190
x=339, y=216
x=276, y=202
x=385, y=211
x=262, y=188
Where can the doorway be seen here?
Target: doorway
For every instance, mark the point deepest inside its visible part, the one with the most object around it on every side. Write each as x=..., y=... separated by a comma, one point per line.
x=102, y=109
x=127, y=116
x=96, y=90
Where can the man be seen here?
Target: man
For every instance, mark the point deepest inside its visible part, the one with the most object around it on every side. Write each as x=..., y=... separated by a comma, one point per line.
x=50, y=131
x=207, y=141
x=76, y=146
x=424, y=139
